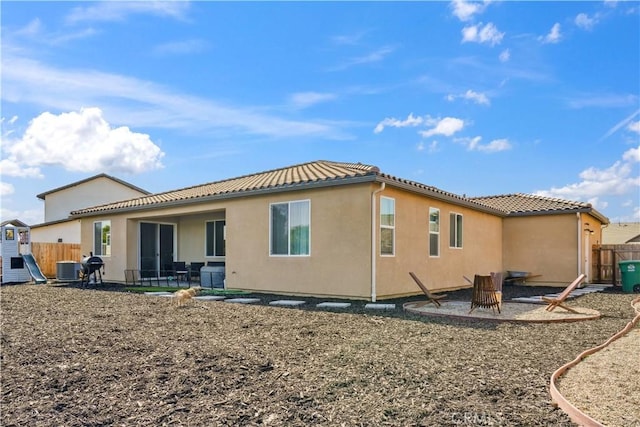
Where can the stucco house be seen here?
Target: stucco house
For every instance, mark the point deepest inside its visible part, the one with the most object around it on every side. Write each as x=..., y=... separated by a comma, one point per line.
x=59, y=202
x=344, y=230
x=621, y=233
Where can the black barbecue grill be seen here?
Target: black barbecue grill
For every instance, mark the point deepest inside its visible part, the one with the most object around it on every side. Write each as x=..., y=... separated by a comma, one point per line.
x=91, y=265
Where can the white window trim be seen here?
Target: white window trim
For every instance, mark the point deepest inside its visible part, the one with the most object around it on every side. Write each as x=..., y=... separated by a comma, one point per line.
x=224, y=237
x=288, y=255
x=455, y=226
x=434, y=232
x=93, y=232
x=391, y=227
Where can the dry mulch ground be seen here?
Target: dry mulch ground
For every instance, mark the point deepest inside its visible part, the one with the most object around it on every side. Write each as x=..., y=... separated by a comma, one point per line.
x=93, y=357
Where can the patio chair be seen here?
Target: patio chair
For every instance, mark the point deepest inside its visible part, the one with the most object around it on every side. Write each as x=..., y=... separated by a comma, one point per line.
x=559, y=301
x=432, y=298
x=194, y=270
x=180, y=271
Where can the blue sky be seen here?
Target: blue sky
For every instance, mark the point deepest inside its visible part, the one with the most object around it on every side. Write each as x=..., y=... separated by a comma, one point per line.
x=476, y=98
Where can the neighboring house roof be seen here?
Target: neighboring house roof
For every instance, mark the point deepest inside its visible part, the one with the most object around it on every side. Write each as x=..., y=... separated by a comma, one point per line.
x=530, y=204
x=102, y=175
x=320, y=173
x=14, y=222
x=620, y=233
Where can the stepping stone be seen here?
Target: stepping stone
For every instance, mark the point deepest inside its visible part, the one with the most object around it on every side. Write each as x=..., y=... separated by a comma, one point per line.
x=528, y=299
x=243, y=300
x=211, y=298
x=380, y=306
x=287, y=302
x=159, y=294
x=334, y=304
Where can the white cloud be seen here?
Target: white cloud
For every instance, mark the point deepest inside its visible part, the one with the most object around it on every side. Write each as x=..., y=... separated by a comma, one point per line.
x=141, y=103
x=12, y=168
x=307, y=99
x=634, y=126
x=478, y=98
x=495, y=146
x=120, y=10
x=6, y=189
x=33, y=28
x=583, y=21
x=632, y=155
x=181, y=47
x=470, y=95
x=29, y=216
x=553, y=36
x=465, y=10
x=607, y=100
x=447, y=127
x=410, y=121
x=624, y=122
x=617, y=180
x=488, y=34
x=83, y=141
x=372, y=57
x=505, y=55
x=348, y=39
x=473, y=144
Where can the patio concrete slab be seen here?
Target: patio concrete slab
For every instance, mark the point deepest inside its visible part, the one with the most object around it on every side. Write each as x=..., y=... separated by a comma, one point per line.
x=211, y=298
x=243, y=300
x=159, y=294
x=287, y=302
x=329, y=304
x=509, y=312
x=374, y=306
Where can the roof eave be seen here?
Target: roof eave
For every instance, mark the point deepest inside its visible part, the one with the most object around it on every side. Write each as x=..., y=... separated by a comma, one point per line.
x=236, y=194
x=603, y=219
x=442, y=196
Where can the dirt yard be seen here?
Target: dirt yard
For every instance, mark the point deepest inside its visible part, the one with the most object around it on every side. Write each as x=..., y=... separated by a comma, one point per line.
x=77, y=357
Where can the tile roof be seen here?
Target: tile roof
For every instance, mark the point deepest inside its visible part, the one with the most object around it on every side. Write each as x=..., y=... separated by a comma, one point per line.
x=528, y=204
x=325, y=173
x=292, y=176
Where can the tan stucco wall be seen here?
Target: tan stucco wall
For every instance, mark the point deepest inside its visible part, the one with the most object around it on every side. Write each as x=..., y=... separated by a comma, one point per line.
x=114, y=264
x=548, y=245
x=339, y=264
x=68, y=231
x=340, y=260
x=340, y=250
x=95, y=192
x=481, y=252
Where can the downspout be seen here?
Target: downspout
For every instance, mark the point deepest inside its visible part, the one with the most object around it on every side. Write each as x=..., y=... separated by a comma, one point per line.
x=579, y=243
x=373, y=240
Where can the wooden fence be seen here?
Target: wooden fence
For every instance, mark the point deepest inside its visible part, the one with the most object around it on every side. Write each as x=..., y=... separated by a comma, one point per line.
x=605, y=261
x=47, y=255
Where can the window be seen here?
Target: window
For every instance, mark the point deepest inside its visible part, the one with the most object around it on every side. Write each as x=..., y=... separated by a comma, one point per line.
x=455, y=230
x=102, y=238
x=387, y=225
x=434, y=232
x=290, y=228
x=215, y=238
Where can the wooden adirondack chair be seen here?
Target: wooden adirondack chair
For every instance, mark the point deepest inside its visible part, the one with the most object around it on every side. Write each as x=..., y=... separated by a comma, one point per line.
x=484, y=294
x=559, y=301
x=432, y=298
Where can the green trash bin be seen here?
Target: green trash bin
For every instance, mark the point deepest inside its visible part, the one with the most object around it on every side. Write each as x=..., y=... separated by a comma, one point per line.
x=630, y=275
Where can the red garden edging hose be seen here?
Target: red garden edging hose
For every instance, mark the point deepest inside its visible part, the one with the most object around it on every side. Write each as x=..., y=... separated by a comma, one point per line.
x=574, y=413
